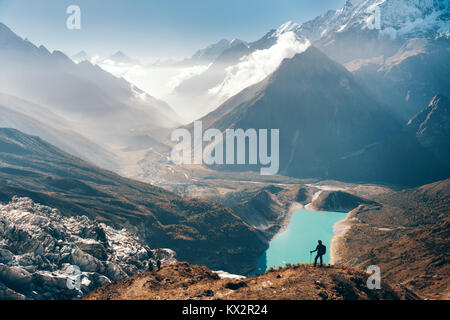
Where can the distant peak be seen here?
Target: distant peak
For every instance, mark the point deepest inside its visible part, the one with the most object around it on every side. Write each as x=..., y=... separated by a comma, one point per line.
x=81, y=56
x=119, y=54
x=121, y=57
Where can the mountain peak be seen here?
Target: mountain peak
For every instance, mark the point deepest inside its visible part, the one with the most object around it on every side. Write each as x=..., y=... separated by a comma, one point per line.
x=214, y=50
x=121, y=57
x=81, y=56
x=392, y=19
x=289, y=26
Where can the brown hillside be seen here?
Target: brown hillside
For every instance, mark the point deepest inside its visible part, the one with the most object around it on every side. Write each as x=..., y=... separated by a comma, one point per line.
x=407, y=237
x=182, y=281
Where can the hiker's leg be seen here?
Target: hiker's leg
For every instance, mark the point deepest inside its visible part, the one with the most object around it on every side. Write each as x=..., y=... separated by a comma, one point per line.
x=315, y=260
x=321, y=260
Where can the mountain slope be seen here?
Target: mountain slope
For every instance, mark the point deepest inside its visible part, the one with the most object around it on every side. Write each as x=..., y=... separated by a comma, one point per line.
x=182, y=281
x=94, y=102
x=432, y=127
x=199, y=231
x=407, y=237
x=238, y=67
x=407, y=80
x=370, y=28
x=349, y=33
x=330, y=126
x=212, y=52
x=22, y=115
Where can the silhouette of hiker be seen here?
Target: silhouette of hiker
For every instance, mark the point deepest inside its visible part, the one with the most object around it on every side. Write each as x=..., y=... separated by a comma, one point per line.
x=158, y=265
x=321, y=250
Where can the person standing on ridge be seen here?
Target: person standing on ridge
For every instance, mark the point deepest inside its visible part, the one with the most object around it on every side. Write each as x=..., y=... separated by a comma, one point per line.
x=321, y=250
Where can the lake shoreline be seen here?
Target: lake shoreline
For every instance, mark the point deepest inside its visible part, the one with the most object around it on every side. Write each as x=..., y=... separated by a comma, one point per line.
x=340, y=229
x=299, y=236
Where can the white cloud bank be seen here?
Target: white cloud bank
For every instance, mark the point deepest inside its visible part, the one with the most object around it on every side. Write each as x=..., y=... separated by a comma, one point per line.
x=258, y=65
x=156, y=80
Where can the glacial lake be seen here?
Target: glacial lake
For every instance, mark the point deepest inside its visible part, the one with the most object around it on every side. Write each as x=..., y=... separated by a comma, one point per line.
x=300, y=237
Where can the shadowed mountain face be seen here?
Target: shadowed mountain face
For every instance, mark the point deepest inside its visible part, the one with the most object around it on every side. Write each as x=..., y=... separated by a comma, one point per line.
x=199, y=231
x=330, y=126
x=432, y=127
x=407, y=80
x=361, y=29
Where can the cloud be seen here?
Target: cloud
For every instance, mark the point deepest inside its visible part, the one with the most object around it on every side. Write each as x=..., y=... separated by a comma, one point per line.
x=258, y=65
x=156, y=80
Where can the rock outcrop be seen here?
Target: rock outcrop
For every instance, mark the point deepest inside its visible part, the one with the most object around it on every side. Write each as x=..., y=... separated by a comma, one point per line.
x=44, y=255
x=338, y=201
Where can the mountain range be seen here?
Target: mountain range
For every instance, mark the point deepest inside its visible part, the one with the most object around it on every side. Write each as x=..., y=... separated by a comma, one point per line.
x=106, y=109
x=200, y=231
x=331, y=126
x=351, y=33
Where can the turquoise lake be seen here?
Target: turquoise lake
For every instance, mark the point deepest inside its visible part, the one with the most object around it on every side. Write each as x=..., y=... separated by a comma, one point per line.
x=300, y=237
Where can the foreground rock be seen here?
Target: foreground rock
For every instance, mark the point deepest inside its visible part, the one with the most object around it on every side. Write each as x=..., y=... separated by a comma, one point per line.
x=44, y=255
x=182, y=281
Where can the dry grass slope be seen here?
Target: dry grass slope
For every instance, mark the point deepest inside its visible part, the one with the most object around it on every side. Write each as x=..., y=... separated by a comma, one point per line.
x=182, y=281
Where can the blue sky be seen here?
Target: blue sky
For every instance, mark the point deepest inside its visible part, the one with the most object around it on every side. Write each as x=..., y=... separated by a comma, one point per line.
x=153, y=28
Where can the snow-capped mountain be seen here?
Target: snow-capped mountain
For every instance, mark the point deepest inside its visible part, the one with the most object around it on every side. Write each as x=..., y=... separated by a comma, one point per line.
x=42, y=252
x=210, y=53
x=432, y=127
x=238, y=67
x=332, y=127
x=393, y=18
x=362, y=29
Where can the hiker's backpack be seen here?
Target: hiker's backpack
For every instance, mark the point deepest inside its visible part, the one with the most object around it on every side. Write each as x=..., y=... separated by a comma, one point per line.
x=323, y=250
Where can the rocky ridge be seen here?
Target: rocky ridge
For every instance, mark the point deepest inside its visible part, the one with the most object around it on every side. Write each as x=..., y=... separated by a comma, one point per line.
x=42, y=252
